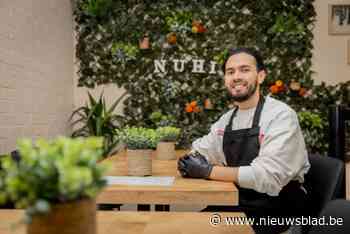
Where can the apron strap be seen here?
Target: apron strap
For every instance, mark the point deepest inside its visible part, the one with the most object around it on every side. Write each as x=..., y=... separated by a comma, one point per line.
x=258, y=110
x=229, y=125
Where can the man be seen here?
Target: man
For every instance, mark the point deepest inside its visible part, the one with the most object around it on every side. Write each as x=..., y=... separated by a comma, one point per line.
x=258, y=145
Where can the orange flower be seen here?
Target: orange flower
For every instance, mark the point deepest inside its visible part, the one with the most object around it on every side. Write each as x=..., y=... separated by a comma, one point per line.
x=192, y=107
x=193, y=104
x=281, y=88
x=189, y=108
x=302, y=91
x=201, y=29
x=195, y=29
x=279, y=83
x=274, y=89
x=196, y=109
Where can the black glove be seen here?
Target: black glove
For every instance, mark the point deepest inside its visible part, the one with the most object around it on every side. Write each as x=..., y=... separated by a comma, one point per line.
x=15, y=155
x=194, y=165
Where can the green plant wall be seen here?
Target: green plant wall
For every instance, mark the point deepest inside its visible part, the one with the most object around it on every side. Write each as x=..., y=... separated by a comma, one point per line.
x=109, y=32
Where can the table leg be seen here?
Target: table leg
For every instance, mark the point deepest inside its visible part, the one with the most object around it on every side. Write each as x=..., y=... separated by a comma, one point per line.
x=142, y=207
x=162, y=207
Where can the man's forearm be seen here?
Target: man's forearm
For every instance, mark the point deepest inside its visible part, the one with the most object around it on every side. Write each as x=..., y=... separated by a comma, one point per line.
x=224, y=174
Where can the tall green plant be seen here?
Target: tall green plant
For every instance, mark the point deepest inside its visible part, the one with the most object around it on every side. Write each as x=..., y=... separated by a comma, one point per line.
x=96, y=119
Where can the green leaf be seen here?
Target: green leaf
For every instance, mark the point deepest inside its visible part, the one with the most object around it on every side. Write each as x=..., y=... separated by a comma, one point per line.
x=91, y=99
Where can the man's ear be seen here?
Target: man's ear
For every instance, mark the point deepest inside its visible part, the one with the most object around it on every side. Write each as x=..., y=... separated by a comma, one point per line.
x=261, y=76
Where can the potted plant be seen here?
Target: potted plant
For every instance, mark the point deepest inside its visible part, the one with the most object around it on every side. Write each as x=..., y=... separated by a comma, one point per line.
x=56, y=181
x=144, y=42
x=96, y=119
x=166, y=145
x=140, y=143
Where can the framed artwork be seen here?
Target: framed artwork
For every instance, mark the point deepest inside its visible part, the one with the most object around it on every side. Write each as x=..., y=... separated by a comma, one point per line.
x=339, y=19
x=349, y=55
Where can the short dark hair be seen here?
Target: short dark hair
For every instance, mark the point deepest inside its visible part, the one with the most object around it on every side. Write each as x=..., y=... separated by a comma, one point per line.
x=251, y=51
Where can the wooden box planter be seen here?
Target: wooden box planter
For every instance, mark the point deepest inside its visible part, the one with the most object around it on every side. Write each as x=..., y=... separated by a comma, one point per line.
x=139, y=162
x=166, y=151
x=68, y=218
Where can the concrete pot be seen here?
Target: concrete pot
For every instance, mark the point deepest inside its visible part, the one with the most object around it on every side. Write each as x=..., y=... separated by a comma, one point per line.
x=139, y=162
x=166, y=151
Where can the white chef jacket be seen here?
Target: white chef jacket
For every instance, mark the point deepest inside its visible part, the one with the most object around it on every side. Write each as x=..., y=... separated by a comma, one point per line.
x=282, y=156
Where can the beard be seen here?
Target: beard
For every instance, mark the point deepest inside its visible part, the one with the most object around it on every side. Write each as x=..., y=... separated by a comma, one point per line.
x=241, y=97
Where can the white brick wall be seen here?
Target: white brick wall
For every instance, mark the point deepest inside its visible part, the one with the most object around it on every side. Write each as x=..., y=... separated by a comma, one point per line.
x=36, y=69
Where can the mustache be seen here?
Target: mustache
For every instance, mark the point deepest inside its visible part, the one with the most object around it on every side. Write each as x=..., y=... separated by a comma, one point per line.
x=238, y=82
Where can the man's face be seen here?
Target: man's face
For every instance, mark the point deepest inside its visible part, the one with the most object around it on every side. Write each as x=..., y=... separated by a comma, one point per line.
x=241, y=76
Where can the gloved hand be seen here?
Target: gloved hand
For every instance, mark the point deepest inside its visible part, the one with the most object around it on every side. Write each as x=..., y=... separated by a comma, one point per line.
x=15, y=155
x=194, y=165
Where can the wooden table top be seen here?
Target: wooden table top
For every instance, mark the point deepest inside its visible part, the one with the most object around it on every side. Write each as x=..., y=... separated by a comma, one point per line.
x=140, y=223
x=183, y=191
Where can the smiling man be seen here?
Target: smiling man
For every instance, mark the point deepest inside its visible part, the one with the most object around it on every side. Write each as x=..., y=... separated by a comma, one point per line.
x=258, y=145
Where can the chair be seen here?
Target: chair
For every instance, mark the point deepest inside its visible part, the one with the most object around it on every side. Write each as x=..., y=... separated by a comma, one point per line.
x=323, y=183
x=337, y=210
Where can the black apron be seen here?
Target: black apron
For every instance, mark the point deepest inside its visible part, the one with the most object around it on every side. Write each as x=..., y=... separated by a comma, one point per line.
x=241, y=147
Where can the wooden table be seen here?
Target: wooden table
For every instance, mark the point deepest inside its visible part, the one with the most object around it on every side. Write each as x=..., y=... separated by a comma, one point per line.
x=141, y=223
x=183, y=191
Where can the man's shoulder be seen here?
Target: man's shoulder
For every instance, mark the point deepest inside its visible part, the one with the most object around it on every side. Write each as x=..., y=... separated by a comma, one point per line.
x=227, y=114
x=275, y=108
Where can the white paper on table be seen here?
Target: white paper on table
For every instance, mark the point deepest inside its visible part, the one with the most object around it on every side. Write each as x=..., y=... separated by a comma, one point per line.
x=138, y=180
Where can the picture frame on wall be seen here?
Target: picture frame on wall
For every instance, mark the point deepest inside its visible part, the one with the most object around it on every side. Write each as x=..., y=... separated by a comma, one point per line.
x=339, y=19
x=349, y=51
